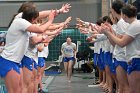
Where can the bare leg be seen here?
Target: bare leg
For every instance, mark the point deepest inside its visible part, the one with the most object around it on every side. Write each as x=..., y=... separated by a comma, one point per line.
x=21, y=81
x=109, y=79
x=31, y=85
x=39, y=74
x=36, y=81
x=27, y=79
x=104, y=77
x=134, y=82
x=70, y=64
x=116, y=82
x=122, y=80
x=66, y=68
x=12, y=82
x=101, y=77
x=42, y=72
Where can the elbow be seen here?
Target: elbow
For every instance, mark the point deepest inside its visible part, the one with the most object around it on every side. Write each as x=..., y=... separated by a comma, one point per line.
x=41, y=30
x=37, y=41
x=122, y=45
x=34, y=42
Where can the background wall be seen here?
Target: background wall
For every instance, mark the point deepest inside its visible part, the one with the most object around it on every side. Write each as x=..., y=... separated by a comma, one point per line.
x=88, y=10
x=55, y=46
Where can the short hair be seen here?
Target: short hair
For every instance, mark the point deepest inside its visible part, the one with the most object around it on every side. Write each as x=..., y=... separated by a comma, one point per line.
x=25, y=6
x=69, y=37
x=99, y=21
x=107, y=19
x=114, y=18
x=29, y=14
x=117, y=6
x=129, y=10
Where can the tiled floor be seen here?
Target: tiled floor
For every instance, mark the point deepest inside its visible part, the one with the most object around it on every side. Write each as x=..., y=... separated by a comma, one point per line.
x=59, y=84
x=79, y=84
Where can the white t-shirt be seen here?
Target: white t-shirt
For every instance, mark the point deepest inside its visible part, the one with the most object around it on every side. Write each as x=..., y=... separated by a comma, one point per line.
x=16, y=40
x=133, y=49
x=114, y=26
x=103, y=45
x=1, y=49
x=119, y=53
x=35, y=57
x=95, y=47
x=44, y=52
x=19, y=15
x=106, y=44
x=68, y=49
x=31, y=50
x=98, y=47
x=100, y=37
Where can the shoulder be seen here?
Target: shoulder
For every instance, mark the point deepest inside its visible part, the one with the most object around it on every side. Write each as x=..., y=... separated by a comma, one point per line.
x=134, y=29
x=122, y=23
x=20, y=20
x=121, y=26
x=73, y=44
x=64, y=44
x=18, y=15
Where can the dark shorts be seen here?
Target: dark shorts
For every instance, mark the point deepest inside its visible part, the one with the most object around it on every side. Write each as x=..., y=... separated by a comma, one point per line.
x=106, y=58
x=112, y=68
x=95, y=58
x=111, y=64
x=100, y=62
x=27, y=62
x=20, y=65
x=102, y=56
x=35, y=65
x=7, y=65
x=67, y=59
x=41, y=62
x=110, y=59
x=134, y=65
x=123, y=64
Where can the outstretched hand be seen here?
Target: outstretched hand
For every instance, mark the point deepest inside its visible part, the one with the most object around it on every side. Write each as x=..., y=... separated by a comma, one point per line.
x=59, y=30
x=65, y=8
x=79, y=21
x=104, y=28
x=67, y=21
x=52, y=15
x=83, y=30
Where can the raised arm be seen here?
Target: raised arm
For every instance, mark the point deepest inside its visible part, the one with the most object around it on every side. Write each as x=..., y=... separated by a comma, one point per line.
x=42, y=28
x=64, y=9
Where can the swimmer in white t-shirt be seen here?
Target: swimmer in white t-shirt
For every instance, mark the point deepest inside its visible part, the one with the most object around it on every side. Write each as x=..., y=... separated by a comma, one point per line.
x=16, y=45
x=131, y=39
x=68, y=51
